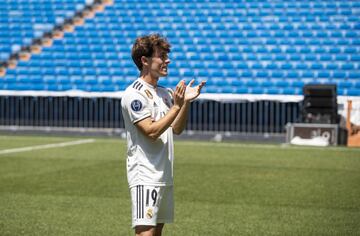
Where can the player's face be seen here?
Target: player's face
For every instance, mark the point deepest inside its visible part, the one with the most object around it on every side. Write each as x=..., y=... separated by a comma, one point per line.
x=2, y=71
x=159, y=64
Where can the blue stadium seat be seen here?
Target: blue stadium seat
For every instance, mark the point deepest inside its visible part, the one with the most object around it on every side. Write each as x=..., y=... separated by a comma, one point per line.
x=339, y=75
x=292, y=75
x=353, y=92
x=295, y=57
x=256, y=90
x=323, y=74
x=286, y=66
x=332, y=66
x=308, y=74
x=241, y=90
x=290, y=91
x=344, y=84
x=298, y=84
x=325, y=57
x=252, y=83
x=237, y=83
x=277, y=74
x=273, y=91
x=272, y=66
x=354, y=75
x=357, y=84
x=316, y=66
x=355, y=57
x=266, y=83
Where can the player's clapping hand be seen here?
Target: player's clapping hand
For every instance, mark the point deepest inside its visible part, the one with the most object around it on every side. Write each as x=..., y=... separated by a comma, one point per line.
x=193, y=92
x=179, y=94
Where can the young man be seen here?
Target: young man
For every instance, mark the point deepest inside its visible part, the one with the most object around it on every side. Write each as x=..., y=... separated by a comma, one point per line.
x=151, y=115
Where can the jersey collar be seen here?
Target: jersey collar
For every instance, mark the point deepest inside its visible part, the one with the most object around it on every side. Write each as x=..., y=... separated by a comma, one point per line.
x=146, y=83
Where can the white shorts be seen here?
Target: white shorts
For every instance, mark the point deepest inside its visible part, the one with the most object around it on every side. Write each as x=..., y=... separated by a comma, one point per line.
x=152, y=205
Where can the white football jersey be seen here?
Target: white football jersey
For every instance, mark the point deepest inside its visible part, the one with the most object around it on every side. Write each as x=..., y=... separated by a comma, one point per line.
x=149, y=162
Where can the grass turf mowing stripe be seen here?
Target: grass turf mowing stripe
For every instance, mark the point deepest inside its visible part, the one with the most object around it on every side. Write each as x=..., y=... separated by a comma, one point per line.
x=221, y=189
x=46, y=146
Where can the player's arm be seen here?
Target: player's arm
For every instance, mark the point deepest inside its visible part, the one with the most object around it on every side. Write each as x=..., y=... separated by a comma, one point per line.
x=191, y=94
x=179, y=123
x=153, y=129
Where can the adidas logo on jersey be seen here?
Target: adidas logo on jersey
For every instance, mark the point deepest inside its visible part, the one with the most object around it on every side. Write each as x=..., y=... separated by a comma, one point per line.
x=137, y=85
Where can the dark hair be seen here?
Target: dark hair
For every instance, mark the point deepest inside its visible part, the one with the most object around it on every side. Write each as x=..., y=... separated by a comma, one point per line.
x=3, y=64
x=147, y=46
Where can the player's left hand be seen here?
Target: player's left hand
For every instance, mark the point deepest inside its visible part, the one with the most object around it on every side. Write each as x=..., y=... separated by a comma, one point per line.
x=193, y=92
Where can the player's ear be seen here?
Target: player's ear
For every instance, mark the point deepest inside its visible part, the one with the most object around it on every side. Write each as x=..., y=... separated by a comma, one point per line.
x=145, y=60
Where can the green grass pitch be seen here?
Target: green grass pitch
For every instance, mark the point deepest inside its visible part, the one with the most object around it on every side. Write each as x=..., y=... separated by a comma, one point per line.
x=220, y=189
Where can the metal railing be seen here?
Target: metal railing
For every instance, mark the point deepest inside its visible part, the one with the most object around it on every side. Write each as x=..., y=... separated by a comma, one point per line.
x=205, y=115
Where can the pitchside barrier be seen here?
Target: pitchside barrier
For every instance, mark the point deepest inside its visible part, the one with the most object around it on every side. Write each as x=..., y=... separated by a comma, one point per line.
x=245, y=113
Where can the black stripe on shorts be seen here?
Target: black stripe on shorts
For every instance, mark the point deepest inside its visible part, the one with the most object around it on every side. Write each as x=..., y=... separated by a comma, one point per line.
x=140, y=201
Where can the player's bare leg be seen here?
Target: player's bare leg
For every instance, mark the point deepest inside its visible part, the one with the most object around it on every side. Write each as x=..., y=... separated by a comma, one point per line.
x=145, y=230
x=158, y=229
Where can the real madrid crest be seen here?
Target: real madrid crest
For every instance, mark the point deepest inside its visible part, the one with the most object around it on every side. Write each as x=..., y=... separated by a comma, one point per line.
x=148, y=94
x=149, y=213
x=167, y=102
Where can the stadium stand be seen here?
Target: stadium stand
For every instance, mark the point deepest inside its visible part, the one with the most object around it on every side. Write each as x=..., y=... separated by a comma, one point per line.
x=252, y=47
x=21, y=21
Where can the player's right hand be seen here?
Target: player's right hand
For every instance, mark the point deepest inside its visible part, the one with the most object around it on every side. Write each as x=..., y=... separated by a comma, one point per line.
x=179, y=94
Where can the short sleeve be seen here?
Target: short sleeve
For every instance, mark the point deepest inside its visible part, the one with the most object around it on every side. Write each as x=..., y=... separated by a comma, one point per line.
x=137, y=106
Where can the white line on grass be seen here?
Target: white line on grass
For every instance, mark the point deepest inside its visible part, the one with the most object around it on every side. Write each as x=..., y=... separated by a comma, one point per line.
x=46, y=146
